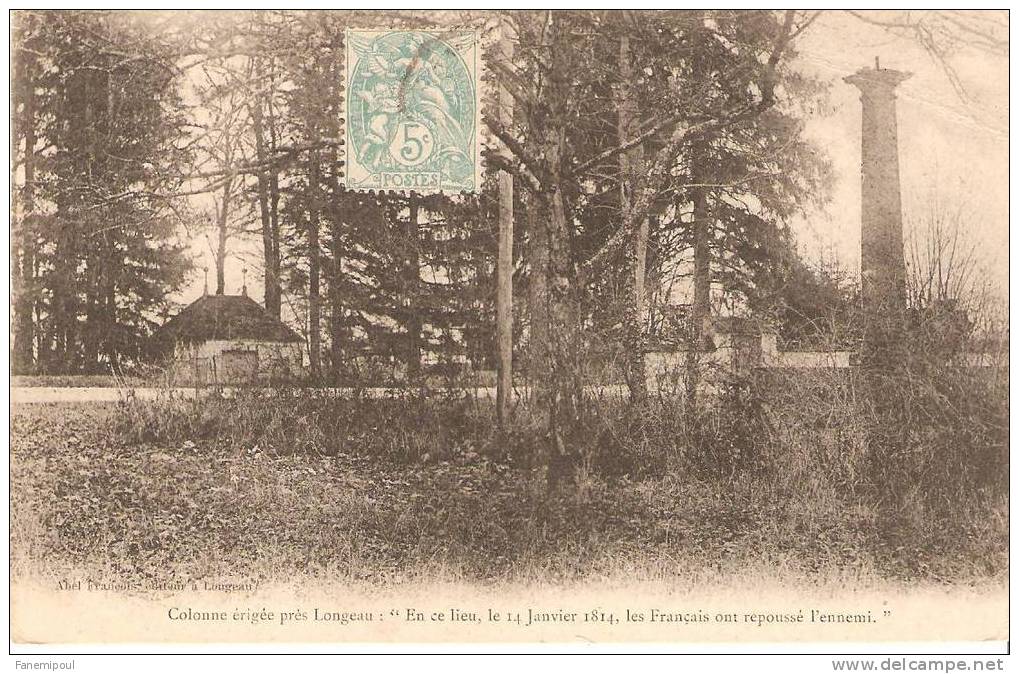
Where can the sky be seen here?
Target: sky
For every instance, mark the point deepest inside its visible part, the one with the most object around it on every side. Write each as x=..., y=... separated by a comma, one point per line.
x=953, y=151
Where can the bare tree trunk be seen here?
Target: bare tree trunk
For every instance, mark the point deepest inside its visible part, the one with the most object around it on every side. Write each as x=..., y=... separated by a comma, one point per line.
x=274, y=211
x=98, y=246
x=66, y=286
x=504, y=293
x=23, y=261
x=700, y=312
x=634, y=318
x=314, y=301
x=563, y=364
x=558, y=382
x=110, y=293
x=108, y=299
x=270, y=256
x=339, y=211
x=412, y=279
x=61, y=306
x=702, y=226
x=93, y=316
x=537, y=286
x=221, y=228
x=338, y=218
x=65, y=304
x=336, y=335
x=652, y=273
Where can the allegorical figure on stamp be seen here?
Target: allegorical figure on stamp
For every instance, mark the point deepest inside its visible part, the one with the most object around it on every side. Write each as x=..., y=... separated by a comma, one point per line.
x=412, y=103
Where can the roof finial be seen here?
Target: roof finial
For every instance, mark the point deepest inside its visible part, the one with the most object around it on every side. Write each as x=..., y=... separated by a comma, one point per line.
x=205, y=291
x=877, y=63
x=244, y=281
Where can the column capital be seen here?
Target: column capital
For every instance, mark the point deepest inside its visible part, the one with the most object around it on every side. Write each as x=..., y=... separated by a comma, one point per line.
x=877, y=80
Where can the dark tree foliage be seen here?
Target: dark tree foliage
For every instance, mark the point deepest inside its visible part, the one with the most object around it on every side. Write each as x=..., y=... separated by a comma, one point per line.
x=101, y=136
x=387, y=277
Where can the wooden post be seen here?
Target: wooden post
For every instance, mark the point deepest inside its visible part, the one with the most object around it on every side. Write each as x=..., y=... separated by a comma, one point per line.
x=504, y=272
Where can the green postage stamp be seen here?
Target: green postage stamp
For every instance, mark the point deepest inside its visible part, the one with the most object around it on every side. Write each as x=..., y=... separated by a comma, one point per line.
x=412, y=111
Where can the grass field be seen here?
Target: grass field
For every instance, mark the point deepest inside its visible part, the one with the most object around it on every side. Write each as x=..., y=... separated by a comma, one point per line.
x=337, y=494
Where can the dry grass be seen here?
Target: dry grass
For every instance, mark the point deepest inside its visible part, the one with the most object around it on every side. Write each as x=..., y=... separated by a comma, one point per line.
x=275, y=486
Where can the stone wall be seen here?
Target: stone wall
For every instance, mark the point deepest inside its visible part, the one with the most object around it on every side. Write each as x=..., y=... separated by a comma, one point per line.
x=739, y=354
x=234, y=362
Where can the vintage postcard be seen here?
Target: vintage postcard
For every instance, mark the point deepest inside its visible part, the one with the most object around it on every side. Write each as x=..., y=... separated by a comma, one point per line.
x=632, y=327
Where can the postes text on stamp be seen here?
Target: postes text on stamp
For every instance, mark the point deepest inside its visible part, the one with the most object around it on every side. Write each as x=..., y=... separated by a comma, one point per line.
x=412, y=103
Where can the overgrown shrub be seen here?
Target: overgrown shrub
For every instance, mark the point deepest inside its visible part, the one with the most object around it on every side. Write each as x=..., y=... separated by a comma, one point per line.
x=406, y=427
x=909, y=464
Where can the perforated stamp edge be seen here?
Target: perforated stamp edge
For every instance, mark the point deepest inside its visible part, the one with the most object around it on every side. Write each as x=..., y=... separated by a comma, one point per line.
x=481, y=30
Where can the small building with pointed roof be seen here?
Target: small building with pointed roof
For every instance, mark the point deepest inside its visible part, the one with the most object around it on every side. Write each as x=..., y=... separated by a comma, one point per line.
x=228, y=339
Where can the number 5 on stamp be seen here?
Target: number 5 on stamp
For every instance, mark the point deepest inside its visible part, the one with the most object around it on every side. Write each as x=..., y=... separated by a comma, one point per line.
x=412, y=111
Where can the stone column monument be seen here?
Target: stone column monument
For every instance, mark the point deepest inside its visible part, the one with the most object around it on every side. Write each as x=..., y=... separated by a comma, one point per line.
x=883, y=268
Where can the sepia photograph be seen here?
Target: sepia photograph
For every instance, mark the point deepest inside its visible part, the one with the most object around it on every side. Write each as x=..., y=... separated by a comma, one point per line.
x=682, y=328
